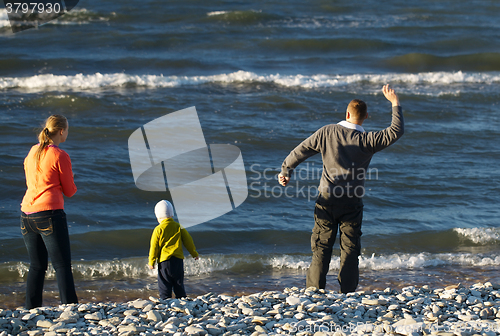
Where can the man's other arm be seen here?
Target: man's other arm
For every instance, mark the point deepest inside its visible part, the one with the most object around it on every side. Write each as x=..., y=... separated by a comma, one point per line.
x=306, y=149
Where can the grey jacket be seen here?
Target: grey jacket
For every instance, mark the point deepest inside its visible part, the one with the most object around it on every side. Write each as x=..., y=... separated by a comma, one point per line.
x=346, y=155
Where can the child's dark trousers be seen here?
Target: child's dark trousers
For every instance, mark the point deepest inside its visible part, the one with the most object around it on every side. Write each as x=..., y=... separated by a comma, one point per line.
x=171, y=276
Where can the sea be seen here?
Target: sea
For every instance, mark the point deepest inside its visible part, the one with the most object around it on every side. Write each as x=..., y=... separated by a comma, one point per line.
x=263, y=76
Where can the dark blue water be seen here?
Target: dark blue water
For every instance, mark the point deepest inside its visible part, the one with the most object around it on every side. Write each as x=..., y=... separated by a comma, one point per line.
x=263, y=76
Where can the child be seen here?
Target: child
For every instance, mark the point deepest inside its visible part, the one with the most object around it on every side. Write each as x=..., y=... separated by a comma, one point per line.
x=166, y=249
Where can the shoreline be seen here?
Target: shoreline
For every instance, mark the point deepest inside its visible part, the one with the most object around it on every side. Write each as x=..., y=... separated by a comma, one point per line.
x=450, y=310
x=232, y=283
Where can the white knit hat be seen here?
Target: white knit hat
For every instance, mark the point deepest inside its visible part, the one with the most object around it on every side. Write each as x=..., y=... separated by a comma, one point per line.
x=164, y=209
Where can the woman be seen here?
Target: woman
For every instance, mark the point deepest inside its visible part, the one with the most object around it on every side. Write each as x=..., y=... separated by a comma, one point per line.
x=43, y=221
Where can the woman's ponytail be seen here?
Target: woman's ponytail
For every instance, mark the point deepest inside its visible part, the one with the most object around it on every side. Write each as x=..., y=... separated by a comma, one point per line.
x=54, y=124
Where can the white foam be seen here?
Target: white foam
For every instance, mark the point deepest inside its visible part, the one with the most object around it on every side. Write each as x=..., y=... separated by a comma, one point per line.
x=394, y=261
x=343, y=21
x=422, y=83
x=211, y=263
x=132, y=267
x=401, y=261
x=217, y=13
x=480, y=235
x=289, y=261
x=78, y=16
x=75, y=16
x=421, y=260
x=137, y=267
x=127, y=268
x=366, y=20
x=4, y=18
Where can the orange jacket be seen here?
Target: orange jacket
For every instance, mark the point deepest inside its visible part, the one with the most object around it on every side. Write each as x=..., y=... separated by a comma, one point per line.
x=46, y=186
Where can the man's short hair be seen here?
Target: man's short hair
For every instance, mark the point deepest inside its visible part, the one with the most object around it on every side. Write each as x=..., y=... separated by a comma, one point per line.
x=357, y=108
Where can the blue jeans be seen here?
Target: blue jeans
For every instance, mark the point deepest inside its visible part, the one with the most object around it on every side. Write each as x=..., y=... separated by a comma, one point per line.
x=46, y=235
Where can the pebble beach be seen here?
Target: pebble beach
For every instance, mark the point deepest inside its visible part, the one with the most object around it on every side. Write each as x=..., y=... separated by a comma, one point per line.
x=453, y=310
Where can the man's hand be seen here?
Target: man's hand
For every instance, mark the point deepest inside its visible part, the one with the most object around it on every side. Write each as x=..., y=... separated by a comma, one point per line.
x=283, y=180
x=151, y=267
x=391, y=95
x=196, y=258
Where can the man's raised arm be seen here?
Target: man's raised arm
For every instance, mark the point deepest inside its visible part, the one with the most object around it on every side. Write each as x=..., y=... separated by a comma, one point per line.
x=391, y=95
x=377, y=141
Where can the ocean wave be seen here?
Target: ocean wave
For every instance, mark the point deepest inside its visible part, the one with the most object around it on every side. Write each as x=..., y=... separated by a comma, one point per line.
x=114, y=269
x=395, y=261
x=246, y=17
x=367, y=21
x=217, y=13
x=421, y=260
x=135, y=268
x=126, y=268
x=475, y=62
x=74, y=16
x=4, y=18
x=321, y=45
x=80, y=16
x=345, y=21
x=480, y=235
x=412, y=83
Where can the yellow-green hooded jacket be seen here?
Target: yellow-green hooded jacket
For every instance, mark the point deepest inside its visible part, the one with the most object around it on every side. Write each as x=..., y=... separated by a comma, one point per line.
x=167, y=240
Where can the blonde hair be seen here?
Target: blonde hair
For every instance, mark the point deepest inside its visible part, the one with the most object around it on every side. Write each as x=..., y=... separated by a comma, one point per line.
x=54, y=124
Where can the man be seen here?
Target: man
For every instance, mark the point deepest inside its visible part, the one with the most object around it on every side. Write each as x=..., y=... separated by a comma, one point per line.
x=346, y=151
